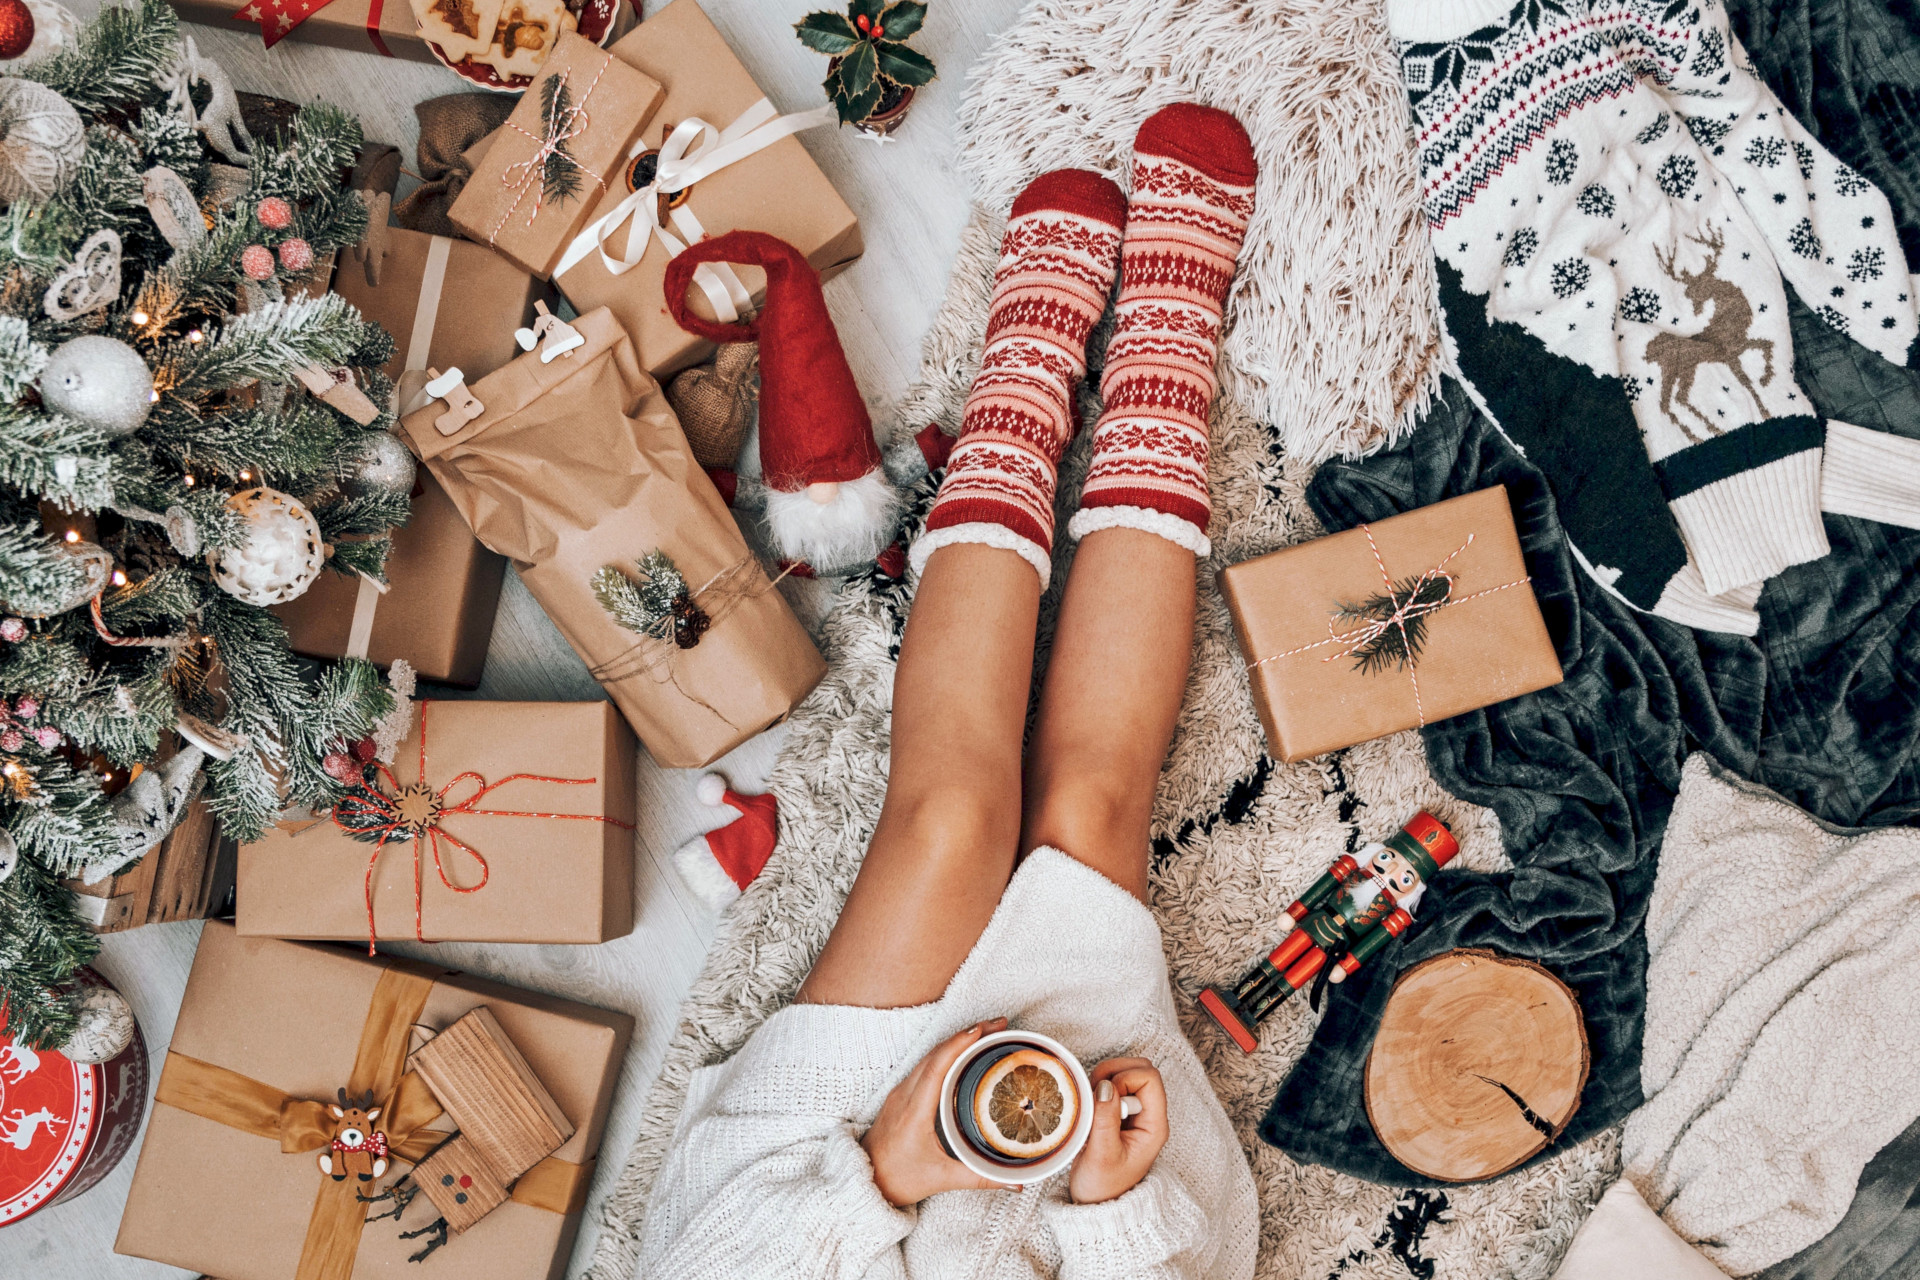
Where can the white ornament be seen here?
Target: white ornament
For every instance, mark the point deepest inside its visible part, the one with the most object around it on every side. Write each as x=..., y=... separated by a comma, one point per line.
x=41, y=141
x=100, y=381
x=171, y=204
x=281, y=556
x=219, y=121
x=9, y=855
x=55, y=30
x=88, y=283
x=106, y=1027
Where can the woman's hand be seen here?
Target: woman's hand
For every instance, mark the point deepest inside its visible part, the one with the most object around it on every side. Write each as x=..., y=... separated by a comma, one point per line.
x=908, y=1162
x=1119, y=1152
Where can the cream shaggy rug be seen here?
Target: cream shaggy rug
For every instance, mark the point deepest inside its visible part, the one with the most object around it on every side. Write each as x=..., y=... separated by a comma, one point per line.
x=1332, y=348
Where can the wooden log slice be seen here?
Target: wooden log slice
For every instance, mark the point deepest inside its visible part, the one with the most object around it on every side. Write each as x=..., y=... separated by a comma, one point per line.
x=1478, y=1065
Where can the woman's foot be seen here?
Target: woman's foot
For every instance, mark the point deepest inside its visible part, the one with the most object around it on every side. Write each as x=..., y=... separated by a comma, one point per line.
x=1057, y=265
x=1193, y=173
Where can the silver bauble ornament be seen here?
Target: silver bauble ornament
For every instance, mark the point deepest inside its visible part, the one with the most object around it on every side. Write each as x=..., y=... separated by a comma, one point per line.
x=281, y=556
x=382, y=466
x=95, y=562
x=42, y=139
x=106, y=1027
x=9, y=855
x=100, y=381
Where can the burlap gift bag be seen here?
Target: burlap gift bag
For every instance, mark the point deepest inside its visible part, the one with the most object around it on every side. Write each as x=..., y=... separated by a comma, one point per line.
x=578, y=463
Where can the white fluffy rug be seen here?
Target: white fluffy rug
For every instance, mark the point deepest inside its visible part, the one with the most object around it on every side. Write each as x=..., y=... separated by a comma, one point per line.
x=1332, y=347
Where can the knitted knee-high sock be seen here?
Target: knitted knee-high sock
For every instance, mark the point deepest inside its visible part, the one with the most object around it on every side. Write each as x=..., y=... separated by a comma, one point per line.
x=1057, y=265
x=1193, y=173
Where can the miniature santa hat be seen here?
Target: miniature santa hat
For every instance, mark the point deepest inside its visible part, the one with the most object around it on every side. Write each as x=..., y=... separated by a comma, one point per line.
x=721, y=863
x=828, y=502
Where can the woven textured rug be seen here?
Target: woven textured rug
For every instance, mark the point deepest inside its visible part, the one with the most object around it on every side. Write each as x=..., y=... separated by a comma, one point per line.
x=1332, y=348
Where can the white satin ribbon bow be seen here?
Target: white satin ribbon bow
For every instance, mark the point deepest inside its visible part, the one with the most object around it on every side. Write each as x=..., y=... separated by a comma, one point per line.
x=694, y=150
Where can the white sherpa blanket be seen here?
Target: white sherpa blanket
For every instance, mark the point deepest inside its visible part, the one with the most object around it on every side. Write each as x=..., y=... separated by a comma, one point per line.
x=1782, y=1040
x=1331, y=346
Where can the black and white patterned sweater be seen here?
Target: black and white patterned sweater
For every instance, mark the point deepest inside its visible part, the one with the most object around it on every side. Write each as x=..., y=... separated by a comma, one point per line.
x=1617, y=202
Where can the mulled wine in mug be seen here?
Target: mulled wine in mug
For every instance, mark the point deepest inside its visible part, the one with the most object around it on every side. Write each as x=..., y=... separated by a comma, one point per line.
x=1017, y=1108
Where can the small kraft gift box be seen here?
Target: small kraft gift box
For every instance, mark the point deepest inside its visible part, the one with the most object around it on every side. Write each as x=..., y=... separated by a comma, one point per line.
x=496, y=822
x=1389, y=626
x=575, y=468
x=716, y=157
x=302, y=1103
x=558, y=151
x=443, y=588
x=384, y=27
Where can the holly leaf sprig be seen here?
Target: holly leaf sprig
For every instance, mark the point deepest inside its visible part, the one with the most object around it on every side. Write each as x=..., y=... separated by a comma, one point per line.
x=869, y=41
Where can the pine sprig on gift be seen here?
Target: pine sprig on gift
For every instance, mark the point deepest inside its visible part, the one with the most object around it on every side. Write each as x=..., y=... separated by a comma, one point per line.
x=1398, y=645
x=560, y=174
x=657, y=603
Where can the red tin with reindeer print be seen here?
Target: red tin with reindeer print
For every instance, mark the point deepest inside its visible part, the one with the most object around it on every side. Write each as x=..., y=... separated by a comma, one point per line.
x=64, y=1125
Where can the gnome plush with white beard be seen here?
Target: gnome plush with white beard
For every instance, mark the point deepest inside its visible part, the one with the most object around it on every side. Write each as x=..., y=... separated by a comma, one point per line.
x=828, y=500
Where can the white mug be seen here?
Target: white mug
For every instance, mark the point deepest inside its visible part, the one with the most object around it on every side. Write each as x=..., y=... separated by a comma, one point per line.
x=1006, y=1173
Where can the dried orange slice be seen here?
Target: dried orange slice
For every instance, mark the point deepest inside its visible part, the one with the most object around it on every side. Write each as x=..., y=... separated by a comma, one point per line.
x=1025, y=1105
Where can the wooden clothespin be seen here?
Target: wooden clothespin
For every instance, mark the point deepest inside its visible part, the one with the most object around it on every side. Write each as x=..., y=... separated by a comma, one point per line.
x=560, y=337
x=462, y=408
x=336, y=387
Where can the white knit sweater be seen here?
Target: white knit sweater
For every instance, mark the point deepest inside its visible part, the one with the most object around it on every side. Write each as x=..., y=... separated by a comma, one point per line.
x=767, y=1176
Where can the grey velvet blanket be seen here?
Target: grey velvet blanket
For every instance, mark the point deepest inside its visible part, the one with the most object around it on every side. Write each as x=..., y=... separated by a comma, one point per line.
x=1824, y=707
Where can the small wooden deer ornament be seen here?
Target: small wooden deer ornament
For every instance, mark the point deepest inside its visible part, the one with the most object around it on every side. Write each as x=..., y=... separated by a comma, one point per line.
x=357, y=1149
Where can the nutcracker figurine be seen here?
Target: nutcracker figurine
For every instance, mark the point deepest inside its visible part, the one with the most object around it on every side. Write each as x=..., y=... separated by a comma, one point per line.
x=1361, y=903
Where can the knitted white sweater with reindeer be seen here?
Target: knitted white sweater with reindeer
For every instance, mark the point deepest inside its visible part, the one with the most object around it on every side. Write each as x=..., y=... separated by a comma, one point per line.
x=1612, y=178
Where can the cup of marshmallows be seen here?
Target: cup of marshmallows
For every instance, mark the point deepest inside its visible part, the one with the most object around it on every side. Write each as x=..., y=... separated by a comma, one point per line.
x=1017, y=1108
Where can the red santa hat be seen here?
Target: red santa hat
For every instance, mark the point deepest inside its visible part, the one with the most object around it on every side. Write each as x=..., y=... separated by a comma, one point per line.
x=721, y=863
x=828, y=502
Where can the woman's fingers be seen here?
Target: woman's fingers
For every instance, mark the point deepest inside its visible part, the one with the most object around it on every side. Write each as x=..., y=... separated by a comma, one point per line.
x=933, y=1068
x=1113, y=1065
x=1143, y=1083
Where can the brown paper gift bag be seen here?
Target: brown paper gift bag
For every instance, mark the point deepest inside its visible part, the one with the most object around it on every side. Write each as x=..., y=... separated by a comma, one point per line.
x=443, y=588
x=554, y=851
x=504, y=206
x=267, y=1032
x=1484, y=644
x=776, y=188
x=579, y=463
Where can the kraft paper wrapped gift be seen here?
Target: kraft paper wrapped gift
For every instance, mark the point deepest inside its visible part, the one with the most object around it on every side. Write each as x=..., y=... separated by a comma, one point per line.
x=1455, y=572
x=385, y=27
x=504, y=205
x=576, y=464
x=550, y=836
x=228, y=1182
x=443, y=589
x=773, y=186
x=449, y=304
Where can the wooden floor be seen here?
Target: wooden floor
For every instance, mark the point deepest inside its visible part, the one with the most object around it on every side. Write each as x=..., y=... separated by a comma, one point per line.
x=912, y=205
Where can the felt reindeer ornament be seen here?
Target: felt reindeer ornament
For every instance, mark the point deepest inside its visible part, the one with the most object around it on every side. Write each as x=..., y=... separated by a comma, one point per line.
x=829, y=502
x=358, y=1149
x=720, y=864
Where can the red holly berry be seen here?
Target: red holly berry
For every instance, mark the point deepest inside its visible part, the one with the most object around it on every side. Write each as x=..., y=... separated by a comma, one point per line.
x=257, y=261
x=16, y=28
x=364, y=750
x=878, y=31
x=296, y=254
x=274, y=213
x=341, y=767
x=862, y=22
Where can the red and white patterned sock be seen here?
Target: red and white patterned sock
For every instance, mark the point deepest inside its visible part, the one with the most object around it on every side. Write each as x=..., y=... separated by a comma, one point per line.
x=1193, y=172
x=1057, y=264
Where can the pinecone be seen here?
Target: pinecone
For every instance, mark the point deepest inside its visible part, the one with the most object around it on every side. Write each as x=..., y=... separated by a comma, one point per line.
x=690, y=621
x=142, y=549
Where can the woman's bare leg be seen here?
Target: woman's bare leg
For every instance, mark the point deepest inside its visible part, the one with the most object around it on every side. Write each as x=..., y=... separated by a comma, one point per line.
x=1113, y=689
x=944, y=847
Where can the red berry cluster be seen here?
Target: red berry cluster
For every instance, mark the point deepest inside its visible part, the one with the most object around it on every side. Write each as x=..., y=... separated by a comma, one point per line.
x=295, y=254
x=347, y=766
x=17, y=717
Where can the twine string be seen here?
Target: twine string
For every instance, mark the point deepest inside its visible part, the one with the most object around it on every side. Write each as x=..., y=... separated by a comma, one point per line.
x=1405, y=611
x=565, y=126
x=379, y=811
x=718, y=596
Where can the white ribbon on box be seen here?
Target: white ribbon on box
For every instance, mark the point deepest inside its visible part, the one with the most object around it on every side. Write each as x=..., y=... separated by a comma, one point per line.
x=694, y=150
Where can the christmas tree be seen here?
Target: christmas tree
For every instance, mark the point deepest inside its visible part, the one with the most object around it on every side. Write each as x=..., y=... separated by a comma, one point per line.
x=172, y=460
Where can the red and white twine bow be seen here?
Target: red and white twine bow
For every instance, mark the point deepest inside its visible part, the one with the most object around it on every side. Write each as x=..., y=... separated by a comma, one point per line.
x=416, y=811
x=1408, y=606
x=568, y=123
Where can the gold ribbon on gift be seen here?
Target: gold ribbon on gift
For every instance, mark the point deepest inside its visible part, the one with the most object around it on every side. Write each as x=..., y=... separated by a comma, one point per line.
x=300, y=1125
x=694, y=150
x=1408, y=605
